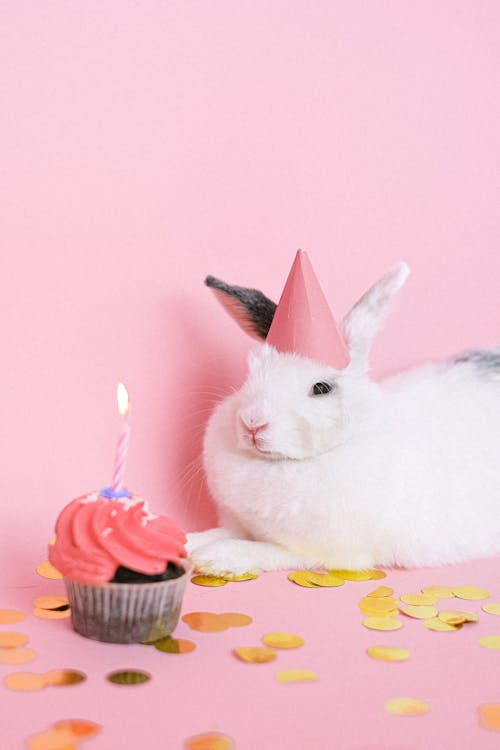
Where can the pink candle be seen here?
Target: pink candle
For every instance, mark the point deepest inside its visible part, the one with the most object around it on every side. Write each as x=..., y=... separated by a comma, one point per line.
x=122, y=445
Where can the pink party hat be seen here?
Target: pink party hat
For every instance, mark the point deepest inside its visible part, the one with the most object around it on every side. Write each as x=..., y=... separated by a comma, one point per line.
x=303, y=322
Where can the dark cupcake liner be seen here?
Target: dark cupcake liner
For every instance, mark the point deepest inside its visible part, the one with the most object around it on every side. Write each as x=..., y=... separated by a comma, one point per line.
x=127, y=612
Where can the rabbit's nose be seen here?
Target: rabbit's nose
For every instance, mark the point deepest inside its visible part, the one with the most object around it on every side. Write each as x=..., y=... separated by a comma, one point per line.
x=251, y=427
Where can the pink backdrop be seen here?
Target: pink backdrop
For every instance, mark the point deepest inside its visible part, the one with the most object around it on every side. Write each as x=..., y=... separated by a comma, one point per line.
x=147, y=144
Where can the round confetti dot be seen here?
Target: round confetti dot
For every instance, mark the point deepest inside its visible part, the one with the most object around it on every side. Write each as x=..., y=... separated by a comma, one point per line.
x=63, y=677
x=242, y=577
x=10, y=616
x=208, y=581
x=53, y=739
x=381, y=605
x=313, y=580
x=419, y=613
x=24, y=681
x=205, y=622
x=379, y=592
x=388, y=653
x=434, y=623
x=382, y=623
x=296, y=675
x=406, y=706
x=13, y=640
x=490, y=641
x=50, y=602
x=17, y=655
x=256, y=654
x=493, y=608
x=282, y=640
x=174, y=645
x=52, y=614
x=47, y=570
x=470, y=592
x=129, y=677
x=489, y=715
x=78, y=728
x=209, y=741
x=377, y=575
x=420, y=600
x=235, y=619
x=456, y=617
x=353, y=575
x=442, y=592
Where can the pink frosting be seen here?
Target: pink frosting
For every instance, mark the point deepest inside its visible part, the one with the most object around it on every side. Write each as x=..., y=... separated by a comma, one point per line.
x=94, y=535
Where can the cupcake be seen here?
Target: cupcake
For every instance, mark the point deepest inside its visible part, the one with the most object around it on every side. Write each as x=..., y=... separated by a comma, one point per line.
x=125, y=569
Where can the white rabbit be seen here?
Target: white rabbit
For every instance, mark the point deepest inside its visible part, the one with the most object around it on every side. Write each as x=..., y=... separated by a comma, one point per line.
x=404, y=472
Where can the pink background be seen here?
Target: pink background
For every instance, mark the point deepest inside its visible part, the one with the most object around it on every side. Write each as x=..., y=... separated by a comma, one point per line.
x=145, y=145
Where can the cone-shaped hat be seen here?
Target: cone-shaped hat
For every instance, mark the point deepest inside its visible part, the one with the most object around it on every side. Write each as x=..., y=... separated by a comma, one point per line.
x=303, y=322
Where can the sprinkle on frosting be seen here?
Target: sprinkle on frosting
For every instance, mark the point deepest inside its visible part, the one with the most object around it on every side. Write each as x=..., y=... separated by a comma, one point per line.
x=96, y=534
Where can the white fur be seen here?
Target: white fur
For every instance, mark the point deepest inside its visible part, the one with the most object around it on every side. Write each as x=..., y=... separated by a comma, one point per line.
x=403, y=472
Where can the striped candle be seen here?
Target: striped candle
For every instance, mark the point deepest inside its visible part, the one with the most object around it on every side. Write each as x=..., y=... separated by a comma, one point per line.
x=122, y=445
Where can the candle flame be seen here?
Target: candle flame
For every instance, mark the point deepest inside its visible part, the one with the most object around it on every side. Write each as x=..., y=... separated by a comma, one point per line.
x=122, y=398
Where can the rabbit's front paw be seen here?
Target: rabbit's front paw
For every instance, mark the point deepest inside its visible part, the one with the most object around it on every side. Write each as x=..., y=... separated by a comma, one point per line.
x=225, y=557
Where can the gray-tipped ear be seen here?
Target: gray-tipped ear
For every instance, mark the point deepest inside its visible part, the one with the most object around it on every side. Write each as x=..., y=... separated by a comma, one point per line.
x=363, y=321
x=251, y=309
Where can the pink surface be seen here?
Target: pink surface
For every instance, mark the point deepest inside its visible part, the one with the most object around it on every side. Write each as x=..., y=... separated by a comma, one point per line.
x=209, y=689
x=145, y=145
x=303, y=322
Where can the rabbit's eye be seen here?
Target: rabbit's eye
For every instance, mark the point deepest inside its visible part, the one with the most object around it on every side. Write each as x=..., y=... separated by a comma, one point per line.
x=320, y=389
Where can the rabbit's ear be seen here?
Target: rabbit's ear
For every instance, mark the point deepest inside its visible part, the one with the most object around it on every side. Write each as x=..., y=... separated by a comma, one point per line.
x=251, y=309
x=363, y=321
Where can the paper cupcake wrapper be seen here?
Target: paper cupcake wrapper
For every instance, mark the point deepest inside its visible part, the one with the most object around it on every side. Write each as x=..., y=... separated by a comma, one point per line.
x=127, y=612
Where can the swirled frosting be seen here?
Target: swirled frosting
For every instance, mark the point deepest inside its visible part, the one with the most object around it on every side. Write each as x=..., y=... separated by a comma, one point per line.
x=95, y=534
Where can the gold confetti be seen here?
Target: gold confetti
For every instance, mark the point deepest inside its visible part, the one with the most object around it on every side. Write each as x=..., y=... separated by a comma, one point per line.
x=493, y=608
x=63, y=677
x=242, y=577
x=417, y=612
x=434, y=623
x=25, y=681
x=52, y=614
x=381, y=591
x=490, y=641
x=50, y=602
x=356, y=575
x=382, y=623
x=406, y=706
x=13, y=640
x=128, y=677
x=52, y=540
x=205, y=622
x=311, y=579
x=63, y=735
x=376, y=606
x=282, y=640
x=10, y=616
x=77, y=727
x=16, y=655
x=388, y=653
x=442, y=592
x=472, y=593
x=489, y=715
x=171, y=645
x=47, y=570
x=255, y=654
x=296, y=675
x=377, y=575
x=208, y=581
x=420, y=600
x=235, y=619
x=456, y=617
x=209, y=741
